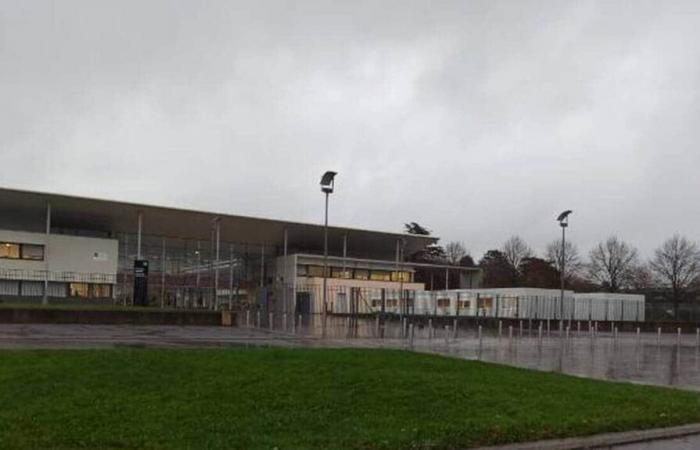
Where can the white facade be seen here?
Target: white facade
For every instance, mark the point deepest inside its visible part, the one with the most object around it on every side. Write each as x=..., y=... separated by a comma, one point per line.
x=64, y=260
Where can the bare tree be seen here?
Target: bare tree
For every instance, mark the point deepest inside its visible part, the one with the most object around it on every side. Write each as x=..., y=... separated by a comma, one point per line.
x=642, y=278
x=455, y=251
x=677, y=265
x=612, y=263
x=515, y=250
x=572, y=258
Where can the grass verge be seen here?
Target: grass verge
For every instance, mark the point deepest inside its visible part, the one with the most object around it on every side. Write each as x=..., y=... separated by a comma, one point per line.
x=306, y=398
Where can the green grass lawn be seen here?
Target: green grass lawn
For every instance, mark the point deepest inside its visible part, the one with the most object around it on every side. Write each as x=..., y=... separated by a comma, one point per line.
x=291, y=398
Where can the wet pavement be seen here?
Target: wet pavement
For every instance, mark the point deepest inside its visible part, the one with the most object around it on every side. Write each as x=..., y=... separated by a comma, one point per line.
x=684, y=443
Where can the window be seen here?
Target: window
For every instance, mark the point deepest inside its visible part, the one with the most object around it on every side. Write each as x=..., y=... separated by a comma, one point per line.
x=315, y=271
x=338, y=272
x=401, y=276
x=361, y=274
x=80, y=290
x=33, y=251
x=301, y=271
x=392, y=303
x=443, y=303
x=464, y=304
x=9, y=251
x=376, y=303
x=101, y=291
x=380, y=275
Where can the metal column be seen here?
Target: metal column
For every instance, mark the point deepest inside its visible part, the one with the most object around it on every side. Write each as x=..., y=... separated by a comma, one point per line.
x=138, y=235
x=162, y=277
x=284, y=275
x=45, y=299
x=230, y=278
x=217, y=228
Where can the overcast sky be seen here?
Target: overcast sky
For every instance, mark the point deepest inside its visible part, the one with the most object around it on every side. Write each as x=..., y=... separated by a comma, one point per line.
x=478, y=120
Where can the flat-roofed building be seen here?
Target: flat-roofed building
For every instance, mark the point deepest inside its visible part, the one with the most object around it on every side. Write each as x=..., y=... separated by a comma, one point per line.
x=60, y=248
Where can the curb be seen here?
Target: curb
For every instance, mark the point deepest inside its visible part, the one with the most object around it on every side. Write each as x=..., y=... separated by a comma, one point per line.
x=604, y=440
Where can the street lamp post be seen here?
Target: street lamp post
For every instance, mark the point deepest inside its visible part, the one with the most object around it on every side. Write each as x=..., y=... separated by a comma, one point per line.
x=563, y=220
x=327, y=185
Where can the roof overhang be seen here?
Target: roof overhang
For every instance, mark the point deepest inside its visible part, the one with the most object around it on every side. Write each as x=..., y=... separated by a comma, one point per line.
x=109, y=216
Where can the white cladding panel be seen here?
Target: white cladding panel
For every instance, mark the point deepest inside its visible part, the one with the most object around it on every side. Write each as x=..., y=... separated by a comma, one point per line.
x=65, y=253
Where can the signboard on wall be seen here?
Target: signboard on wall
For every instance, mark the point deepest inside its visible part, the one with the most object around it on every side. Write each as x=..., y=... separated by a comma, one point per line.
x=140, y=282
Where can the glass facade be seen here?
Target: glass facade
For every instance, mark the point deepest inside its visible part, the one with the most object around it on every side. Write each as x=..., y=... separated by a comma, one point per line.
x=304, y=270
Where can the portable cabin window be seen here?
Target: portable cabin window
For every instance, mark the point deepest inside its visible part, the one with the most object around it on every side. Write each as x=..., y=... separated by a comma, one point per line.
x=361, y=274
x=376, y=303
x=33, y=252
x=392, y=303
x=9, y=250
x=380, y=275
x=443, y=303
x=464, y=304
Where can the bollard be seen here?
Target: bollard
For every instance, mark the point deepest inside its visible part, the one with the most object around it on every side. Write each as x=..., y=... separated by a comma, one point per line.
x=247, y=318
x=284, y=322
x=410, y=335
x=430, y=328
x=500, y=329
x=521, y=330
x=447, y=336
x=271, y=321
x=549, y=328
x=455, y=329
x=678, y=340
x=257, y=319
x=658, y=336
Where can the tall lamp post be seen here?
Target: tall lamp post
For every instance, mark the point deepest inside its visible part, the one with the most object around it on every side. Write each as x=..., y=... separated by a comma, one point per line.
x=327, y=185
x=563, y=220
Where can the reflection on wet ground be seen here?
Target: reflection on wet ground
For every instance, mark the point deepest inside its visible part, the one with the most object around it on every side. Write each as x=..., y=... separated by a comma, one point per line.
x=666, y=359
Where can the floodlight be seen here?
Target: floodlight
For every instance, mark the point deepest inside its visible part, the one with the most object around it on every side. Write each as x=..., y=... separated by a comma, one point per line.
x=564, y=215
x=327, y=181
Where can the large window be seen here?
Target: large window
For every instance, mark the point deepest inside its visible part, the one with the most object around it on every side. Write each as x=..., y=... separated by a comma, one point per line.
x=380, y=275
x=101, y=291
x=81, y=290
x=33, y=252
x=361, y=274
x=315, y=271
x=338, y=272
x=9, y=250
x=401, y=276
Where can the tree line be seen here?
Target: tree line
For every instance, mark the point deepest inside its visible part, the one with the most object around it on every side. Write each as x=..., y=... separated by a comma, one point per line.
x=612, y=265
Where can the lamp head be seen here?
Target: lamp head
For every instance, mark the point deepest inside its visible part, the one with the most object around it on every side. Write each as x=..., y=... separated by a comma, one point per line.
x=563, y=218
x=327, y=181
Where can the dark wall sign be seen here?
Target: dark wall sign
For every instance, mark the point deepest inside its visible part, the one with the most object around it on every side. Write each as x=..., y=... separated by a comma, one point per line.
x=140, y=282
